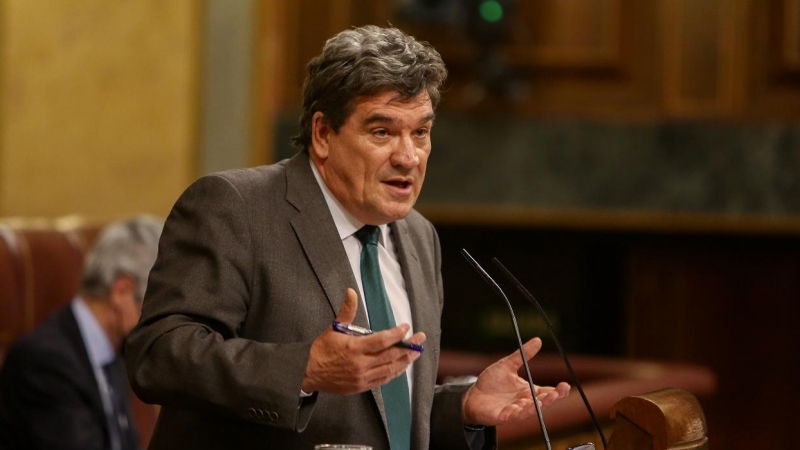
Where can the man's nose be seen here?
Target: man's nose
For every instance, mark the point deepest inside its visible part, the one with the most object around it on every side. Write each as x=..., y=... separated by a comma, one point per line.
x=405, y=154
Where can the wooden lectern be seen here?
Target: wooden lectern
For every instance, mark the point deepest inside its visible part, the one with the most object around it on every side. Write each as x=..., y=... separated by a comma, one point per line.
x=668, y=419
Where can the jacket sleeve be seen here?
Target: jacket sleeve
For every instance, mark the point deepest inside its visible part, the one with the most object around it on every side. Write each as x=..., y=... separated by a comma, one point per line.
x=186, y=350
x=447, y=429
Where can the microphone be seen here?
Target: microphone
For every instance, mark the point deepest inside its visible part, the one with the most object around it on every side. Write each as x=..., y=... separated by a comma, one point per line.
x=533, y=300
x=497, y=289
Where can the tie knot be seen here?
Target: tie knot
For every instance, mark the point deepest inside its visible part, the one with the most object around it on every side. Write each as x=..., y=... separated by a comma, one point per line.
x=368, y=234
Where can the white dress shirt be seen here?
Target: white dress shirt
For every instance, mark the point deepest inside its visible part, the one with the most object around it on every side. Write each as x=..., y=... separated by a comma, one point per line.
x=100, y=353
x=391, y=271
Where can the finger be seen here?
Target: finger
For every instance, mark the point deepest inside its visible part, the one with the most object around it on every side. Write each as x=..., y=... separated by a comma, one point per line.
x=406, y=345
x=519, y=410
x=347, y=313
x=418, y=338
x=562, y=389
x=382, y=340
x=392, y=361
x=540, y=390
x=393, y=354
x=531, y=348
x=548, y=395
x=528, y=411
x=547, y=398
x=384, y=373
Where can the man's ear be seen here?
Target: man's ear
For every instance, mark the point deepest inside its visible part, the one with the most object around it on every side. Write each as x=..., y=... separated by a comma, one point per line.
x=122, y=288
x=320, y=137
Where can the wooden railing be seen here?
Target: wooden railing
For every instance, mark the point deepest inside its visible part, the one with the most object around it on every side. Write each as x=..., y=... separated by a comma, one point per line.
x=632, y=392
x=668, y=419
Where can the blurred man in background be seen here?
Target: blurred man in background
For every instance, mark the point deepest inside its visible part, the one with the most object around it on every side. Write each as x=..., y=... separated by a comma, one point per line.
x=64, y=386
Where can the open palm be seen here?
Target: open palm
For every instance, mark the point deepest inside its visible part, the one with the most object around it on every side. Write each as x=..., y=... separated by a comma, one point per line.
x=500, y=395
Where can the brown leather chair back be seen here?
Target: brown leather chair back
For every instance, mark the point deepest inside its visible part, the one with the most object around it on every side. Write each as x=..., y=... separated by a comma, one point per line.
x=12, y=291
x=40, y=269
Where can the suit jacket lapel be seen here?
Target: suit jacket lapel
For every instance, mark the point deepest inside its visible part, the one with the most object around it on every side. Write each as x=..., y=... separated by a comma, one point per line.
x=320, y=240
x=318, y=236
x=424, y=314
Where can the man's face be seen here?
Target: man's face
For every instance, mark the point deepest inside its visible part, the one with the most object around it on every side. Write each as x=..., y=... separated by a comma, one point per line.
x=125, y=306
x=375, y=164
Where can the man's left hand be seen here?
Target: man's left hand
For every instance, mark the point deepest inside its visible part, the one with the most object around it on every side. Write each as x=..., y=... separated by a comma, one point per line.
x=500, y=395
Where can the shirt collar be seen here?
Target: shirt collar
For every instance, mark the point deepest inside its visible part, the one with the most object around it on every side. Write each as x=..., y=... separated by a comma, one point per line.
x=346, y=223
x=95, y=339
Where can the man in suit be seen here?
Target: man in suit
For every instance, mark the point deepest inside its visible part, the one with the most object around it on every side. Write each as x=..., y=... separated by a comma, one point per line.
x=235, y=339
x=63, y=386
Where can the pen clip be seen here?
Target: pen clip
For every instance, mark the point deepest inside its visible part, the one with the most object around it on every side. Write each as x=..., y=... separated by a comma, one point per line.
x=353, y=330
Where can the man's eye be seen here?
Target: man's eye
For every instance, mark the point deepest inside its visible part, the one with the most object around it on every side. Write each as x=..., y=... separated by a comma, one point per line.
x=381, y=132
x=421, y=133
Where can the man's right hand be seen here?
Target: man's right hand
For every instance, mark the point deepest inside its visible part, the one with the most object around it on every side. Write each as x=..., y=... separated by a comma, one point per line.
x=343, y=364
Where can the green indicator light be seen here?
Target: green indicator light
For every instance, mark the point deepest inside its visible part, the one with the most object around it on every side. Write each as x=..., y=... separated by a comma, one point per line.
x=491, y=11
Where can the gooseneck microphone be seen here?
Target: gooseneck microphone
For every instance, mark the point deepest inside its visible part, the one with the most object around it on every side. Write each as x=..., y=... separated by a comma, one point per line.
x=497, y=289
x=533, y=300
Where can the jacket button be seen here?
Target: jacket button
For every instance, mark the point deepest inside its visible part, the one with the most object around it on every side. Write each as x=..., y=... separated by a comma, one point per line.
x=251, y=413
x=273, y=416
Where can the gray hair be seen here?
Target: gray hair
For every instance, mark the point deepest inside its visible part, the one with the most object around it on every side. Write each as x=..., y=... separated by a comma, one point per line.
x=123, y=248
x=366, y=61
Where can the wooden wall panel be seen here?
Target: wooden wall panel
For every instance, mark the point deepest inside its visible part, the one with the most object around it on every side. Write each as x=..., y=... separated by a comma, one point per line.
x=574, y=34
x=773, y=84
x=309, y=23
x=578, y=33
x=730, y=304
x=595, y=57
x=700, y=42
x=791, y=35
x=568, y=58
x=617, y=59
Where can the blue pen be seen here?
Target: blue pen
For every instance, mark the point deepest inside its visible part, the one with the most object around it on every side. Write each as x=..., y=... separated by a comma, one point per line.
x=355, y=330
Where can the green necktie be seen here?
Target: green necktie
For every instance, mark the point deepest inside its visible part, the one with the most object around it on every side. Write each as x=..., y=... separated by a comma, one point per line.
x=395, y=393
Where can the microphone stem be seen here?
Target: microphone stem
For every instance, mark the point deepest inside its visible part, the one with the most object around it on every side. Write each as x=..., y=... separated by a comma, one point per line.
x=552, y=330
x=524, y=357
x=536, y=402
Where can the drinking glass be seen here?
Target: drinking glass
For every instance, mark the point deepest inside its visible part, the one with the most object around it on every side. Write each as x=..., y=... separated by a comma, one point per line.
x=341, y=447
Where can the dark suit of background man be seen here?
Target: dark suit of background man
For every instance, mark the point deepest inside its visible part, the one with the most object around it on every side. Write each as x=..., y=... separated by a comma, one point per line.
x=63, y=386
x=235, y=338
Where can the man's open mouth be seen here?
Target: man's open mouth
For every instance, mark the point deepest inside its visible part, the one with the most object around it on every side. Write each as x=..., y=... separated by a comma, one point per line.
x=402, y=184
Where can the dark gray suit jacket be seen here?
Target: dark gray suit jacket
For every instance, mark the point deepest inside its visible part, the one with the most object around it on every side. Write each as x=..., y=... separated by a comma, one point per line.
x=250, y=271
